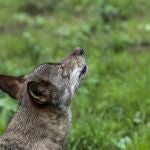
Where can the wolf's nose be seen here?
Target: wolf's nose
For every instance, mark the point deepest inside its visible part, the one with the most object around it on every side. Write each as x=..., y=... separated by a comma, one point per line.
x=79, y=51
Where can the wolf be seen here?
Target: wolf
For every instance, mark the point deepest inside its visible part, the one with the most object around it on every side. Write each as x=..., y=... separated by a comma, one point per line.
x=43, y=116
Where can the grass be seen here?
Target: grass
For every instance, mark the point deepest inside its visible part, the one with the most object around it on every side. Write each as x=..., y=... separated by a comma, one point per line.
x=112, y=107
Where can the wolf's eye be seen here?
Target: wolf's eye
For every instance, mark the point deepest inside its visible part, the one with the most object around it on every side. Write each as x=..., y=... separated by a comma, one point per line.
x=66, y=74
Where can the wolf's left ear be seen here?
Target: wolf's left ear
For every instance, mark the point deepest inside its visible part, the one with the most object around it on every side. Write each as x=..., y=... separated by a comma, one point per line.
x=11, y=85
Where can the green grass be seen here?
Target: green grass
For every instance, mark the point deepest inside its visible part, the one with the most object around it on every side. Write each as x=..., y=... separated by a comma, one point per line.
x=112, y=106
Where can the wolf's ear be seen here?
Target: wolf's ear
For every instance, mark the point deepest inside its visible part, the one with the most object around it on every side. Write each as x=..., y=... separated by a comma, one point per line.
x=11, y=85
x=40, y=91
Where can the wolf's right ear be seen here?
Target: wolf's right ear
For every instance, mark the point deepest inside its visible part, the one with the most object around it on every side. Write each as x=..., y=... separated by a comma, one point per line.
x=11, y=85
x=41, y=92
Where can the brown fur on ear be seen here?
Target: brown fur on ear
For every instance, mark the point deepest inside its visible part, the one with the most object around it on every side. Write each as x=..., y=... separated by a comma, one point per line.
x=11, y=85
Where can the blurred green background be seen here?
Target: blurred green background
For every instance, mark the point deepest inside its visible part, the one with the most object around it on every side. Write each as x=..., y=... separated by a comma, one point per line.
x=111, y=110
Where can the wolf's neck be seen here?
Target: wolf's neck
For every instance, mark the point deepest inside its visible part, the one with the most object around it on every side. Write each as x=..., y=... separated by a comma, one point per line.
x=38, y=129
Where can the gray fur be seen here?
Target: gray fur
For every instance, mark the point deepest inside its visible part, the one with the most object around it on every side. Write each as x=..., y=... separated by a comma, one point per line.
x=43, y=116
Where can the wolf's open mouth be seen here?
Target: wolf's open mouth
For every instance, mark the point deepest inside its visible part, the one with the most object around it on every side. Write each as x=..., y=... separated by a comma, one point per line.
x=83, y=71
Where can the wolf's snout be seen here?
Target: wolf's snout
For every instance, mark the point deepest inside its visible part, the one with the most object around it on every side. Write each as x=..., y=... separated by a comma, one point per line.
x=78, y=51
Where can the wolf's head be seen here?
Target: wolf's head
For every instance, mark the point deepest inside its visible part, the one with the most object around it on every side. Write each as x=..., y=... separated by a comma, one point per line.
x=50, y=83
